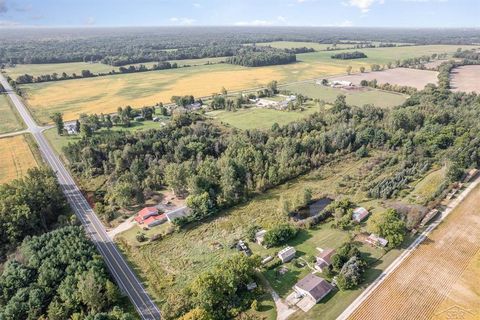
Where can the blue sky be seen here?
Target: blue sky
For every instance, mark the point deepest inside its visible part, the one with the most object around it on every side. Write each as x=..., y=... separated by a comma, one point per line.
x=374, y=13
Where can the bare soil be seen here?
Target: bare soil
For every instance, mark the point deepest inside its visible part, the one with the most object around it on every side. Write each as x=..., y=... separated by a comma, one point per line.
x=466, y=78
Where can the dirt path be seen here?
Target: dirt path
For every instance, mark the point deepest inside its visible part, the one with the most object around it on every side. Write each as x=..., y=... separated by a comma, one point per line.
x=124, y=226
x=283, y=310
x=424, y=280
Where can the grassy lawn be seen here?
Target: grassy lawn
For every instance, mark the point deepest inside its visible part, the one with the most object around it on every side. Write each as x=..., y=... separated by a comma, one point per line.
x=106, y=94
x=259, y=118
x=10, y=120
x=364, y=96
x=58, y=142
x=17, y=155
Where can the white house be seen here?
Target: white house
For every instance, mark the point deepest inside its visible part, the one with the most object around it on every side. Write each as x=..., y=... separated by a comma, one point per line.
x=313, y=287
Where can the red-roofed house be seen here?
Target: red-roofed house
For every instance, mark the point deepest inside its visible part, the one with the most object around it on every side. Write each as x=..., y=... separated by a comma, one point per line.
x=149, y=216
x=324, y=259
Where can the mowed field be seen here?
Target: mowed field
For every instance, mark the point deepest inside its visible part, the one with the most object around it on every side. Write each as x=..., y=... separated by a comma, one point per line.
x=16, y=157
x=399, y=76
x=466, y=78
x=440, y=278
x=358, y=97
x=106, y=94
x=9, y=119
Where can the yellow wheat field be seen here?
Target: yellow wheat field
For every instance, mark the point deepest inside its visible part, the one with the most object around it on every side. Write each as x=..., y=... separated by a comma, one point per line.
x=15, y=158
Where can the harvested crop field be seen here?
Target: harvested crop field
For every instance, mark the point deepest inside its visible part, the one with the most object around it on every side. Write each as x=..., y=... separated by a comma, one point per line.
x=466, y=78
x=439, y=278
x=106, y=94
x=16, y=157
x=399, y=76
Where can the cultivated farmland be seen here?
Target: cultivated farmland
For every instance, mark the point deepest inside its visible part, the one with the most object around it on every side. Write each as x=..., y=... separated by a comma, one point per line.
x=425, y=284
x=106, y=94
x=16, y=157
x=399, y=76
x=466, y=78
x=358, y=96
x=9, y=119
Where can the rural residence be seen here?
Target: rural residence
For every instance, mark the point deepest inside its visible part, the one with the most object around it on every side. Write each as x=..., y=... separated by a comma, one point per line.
x=150, y=217
x=359, y=214
x=324, y=259
x=376, y=241
x=312, y=289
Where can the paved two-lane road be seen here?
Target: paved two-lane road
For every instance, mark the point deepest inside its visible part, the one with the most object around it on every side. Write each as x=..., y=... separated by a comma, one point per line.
x=115, y=262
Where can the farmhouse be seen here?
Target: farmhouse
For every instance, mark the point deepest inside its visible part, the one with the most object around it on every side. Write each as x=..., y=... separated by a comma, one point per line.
x=324, y=259
x=71, y=128
x=313, y=288
x=287, y=254
x=259, y=236
x=149, y=216
x=359, y=214
x=376, y=241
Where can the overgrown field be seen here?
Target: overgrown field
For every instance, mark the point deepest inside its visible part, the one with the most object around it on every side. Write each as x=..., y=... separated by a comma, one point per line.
x=358, y=97
x=439, y=278
x=16, y=157
x=9, y=119
x=171, y=263
x=106, y=94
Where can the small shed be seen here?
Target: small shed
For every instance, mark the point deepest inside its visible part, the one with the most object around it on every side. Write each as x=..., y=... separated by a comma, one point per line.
x=259, y=236
x=359, y=214
x=377, y=241
x=287, y=254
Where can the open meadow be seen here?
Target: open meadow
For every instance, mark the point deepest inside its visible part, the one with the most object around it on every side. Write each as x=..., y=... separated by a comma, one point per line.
x=400, y=76
x=9, y=120
x=259, y=118
x=106, y=94
x=440, y=278
x=17, y=155
x=466, y=78
x=358, y=96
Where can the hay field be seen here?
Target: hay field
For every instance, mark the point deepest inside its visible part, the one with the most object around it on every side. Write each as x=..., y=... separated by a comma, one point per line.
x=77, y=67
x=357, y=97
x=301, y=44
x=466, y=78
x=425, y=286
x=16, y=157
x=9, y=119
x=106, y=94
x=400, y=76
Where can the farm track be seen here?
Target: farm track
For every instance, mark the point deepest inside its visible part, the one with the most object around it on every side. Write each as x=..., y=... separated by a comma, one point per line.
x=416, y=288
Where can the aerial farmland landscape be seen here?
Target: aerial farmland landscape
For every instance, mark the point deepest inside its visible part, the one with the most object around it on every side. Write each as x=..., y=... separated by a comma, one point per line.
x=246, y=160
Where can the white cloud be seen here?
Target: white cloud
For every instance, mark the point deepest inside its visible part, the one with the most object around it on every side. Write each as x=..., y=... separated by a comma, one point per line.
x=254, y=23
x=363, y=5
x=8, y=23
x=346, y=23
x=182, y=21
x=197, y=5
x=282, y=19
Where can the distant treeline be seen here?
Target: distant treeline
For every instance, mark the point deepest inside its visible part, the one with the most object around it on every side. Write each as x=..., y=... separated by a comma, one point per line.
x=261, y=56
x=349, y=55
x=123, y=46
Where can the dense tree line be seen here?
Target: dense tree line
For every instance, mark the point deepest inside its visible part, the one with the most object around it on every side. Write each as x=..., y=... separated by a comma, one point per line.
x=251, y=56
x=122, y=46
x=29, y=206
x=349, y=55
x=57, y=276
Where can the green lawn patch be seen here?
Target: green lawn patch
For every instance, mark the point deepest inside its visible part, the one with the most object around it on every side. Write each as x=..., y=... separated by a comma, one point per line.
x=10, y=120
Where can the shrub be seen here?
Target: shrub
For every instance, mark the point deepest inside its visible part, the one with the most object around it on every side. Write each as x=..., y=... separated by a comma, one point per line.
x=279, y=235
